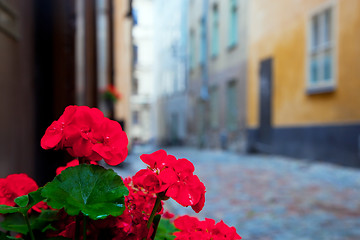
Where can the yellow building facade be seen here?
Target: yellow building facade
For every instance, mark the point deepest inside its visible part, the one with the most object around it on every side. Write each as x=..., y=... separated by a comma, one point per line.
x=304, y=79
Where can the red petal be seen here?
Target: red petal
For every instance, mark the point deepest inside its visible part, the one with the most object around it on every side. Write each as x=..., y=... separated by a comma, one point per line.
x=199, y=206
x=52, y=136
x=168, y=175
x=151, y=159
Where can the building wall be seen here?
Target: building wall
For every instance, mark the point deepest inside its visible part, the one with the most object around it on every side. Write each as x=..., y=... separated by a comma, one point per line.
x=123, y=60
x=17, y=100
x=195, y=10
x=216, y=72
x=170, y=70
x=282, y=35
x=320, y=126
x=143, y=76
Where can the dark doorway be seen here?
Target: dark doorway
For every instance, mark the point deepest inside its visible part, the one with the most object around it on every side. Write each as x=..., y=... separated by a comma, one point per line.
x=265, y=126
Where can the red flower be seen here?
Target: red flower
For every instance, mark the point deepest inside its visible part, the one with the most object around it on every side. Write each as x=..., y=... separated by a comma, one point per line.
x=79, y=138
x=193, y=228
x=168, y=215
x=188, y=191
x=111, y=142
x=16, y=185
x=111, y=93
x=85, y=133
x=171, y=177
x=55, y=132
x=148, y=180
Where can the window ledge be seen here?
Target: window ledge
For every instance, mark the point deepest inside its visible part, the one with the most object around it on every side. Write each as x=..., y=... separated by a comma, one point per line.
x=320, y=90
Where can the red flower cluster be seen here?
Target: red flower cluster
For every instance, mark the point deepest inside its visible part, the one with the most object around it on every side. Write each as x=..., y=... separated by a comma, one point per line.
x=85, y=133
x=16, y=185
x=192, y=228
x=111, y=93
x=171, y=178
x=138, y=206
x=130, y=225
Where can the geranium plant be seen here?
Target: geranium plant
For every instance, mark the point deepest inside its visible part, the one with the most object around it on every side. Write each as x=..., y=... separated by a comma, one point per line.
x=88, y=201
x=111, y=93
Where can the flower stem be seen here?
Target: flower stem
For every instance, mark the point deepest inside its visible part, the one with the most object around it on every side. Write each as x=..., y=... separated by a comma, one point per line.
x=156, y=224
x=153, y=213
x=84, y=227
x=26, y=216
x=77, y=227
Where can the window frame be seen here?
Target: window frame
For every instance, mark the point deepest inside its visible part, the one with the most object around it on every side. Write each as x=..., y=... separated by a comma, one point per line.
x=322, y=85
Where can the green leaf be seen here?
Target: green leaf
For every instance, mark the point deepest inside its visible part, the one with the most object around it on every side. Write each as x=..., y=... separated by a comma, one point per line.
x=93, y=190
x=30, y=200
x=35, y=197
x=24, y=202
x=4, y=209
x=15, y=222
x=165, y=230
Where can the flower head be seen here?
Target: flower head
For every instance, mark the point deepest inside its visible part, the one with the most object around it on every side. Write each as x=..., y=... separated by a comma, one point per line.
x=193, y=228
x=171, y=178
x=16, y=185
x=85, y=133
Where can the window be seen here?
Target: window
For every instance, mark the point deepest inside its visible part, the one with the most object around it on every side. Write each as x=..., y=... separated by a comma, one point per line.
x=214, y=107
x=134, y=16
x=321, y=52
x=233, y=24
x=135, y=86
x=135, y=117
x=231, y=104
x=135, y=54
x=215, y=32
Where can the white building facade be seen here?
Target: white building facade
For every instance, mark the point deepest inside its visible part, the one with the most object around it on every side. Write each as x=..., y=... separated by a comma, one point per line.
x=171, y=70
x=142, y=95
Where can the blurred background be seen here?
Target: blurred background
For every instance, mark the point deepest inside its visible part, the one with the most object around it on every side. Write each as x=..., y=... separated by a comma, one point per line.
x=263, y=96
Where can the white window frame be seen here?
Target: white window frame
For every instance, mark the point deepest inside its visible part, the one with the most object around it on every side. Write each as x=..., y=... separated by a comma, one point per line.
x=322, y=85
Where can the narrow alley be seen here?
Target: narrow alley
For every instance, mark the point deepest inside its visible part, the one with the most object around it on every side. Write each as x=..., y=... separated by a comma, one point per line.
x=271, y=197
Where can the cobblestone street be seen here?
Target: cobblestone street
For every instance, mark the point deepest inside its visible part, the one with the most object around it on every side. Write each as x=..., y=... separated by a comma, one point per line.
x=272, y=197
